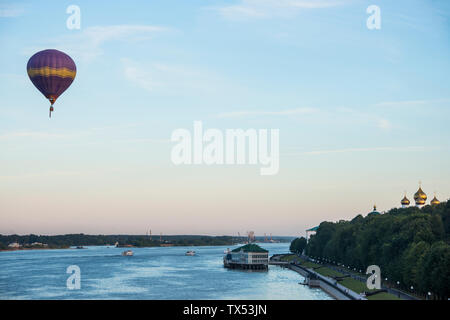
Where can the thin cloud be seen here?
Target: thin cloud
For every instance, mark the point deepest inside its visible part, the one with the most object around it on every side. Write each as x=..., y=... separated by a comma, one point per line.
x=384, y=124
x=410, y=103
x=58, y=173
x=100, y=34
x=33, y=134
x=240, y=114
x=63, y=135
x=41, y=174
x=144, y=140
x=87, y=44
x=337, y=115
x=11, y=10
x=170, y=78
x=273, y=8
x=374, y=149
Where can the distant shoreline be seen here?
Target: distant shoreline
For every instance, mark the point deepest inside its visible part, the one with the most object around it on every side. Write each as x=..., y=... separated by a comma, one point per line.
x=24, y=249
x=123, y=246
x=32, y=242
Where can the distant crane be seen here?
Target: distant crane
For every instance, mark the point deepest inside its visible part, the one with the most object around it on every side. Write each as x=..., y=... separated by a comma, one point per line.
x=251, y=236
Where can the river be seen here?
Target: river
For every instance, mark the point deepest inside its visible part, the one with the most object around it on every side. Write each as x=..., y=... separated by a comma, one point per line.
x=152, y=273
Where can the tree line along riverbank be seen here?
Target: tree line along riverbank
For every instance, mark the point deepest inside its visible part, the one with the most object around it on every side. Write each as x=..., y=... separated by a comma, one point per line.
x=410, y=245
x=69, y=240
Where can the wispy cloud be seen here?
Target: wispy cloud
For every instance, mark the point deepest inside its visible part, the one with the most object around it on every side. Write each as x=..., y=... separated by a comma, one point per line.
x=384, y=124
x=120, y=134
x=143, y=78
x=41, y=174
x=100, y=34
x=15, y=78
x=273, y=8
x=335, y=115
x=410, y=103
x=31, y=134
x=288, y=112
x=144, y=140
x=11, y=10
x=87, y=44
x=60, y=173
x=34, y=134
x=170, y=78
x=373, y=149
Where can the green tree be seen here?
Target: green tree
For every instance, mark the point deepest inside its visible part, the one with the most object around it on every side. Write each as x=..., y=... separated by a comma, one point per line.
x=298, y=245
x=410, y=245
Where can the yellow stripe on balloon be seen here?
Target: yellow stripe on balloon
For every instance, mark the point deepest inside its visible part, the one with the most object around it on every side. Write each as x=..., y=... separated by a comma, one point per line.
x=47, y=72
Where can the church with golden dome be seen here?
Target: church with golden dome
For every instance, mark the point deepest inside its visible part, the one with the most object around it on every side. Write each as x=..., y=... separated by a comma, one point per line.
x=420, y=198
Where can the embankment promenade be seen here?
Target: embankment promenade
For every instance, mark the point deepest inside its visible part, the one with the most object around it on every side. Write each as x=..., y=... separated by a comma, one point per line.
x=315, y=279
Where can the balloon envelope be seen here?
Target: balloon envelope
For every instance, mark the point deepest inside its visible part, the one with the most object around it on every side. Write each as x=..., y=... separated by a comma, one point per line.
x=52, y=72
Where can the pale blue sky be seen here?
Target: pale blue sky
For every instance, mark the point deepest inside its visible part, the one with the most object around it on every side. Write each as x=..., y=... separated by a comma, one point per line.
x=363, y=114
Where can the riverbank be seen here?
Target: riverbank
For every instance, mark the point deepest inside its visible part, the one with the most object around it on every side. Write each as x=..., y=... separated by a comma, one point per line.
x=333, y=281
x=314, y=279
x=33, y=248
x=137, y=241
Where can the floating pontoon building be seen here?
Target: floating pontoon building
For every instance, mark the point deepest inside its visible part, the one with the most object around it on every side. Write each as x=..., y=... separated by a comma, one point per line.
x=248, y=257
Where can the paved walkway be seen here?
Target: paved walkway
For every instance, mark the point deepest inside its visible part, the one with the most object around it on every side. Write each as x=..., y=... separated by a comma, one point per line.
x=344, y=290
x=307, y=272
x=396, y=292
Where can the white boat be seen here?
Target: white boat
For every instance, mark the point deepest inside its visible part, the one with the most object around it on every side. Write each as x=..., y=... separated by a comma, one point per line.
x=190, y=253
x=127, y=253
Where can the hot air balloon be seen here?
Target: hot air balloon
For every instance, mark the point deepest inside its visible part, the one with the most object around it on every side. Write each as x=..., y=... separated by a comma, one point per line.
x=52, y=72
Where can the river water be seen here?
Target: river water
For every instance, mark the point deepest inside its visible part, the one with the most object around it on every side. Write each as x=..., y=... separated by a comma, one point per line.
x=152, y=273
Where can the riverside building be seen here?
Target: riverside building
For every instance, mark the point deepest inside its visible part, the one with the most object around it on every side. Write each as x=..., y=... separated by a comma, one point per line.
x=248, y=257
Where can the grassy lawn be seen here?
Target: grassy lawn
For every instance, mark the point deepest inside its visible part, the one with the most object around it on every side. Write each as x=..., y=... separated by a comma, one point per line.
x=329, y=272
x=354, y=285
x=350, y=283
x=308, y=264
x=351, y=271
x=290, y=258
x=359, y=287
x=383, y=296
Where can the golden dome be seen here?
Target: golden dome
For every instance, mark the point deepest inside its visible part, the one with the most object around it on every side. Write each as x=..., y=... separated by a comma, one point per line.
x=435, y=201
x=420, y=202
x=405, y=201
x=374, y=210
x=420, y=197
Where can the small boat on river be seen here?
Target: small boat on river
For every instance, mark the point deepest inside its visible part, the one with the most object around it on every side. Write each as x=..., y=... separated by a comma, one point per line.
x=127, y=253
